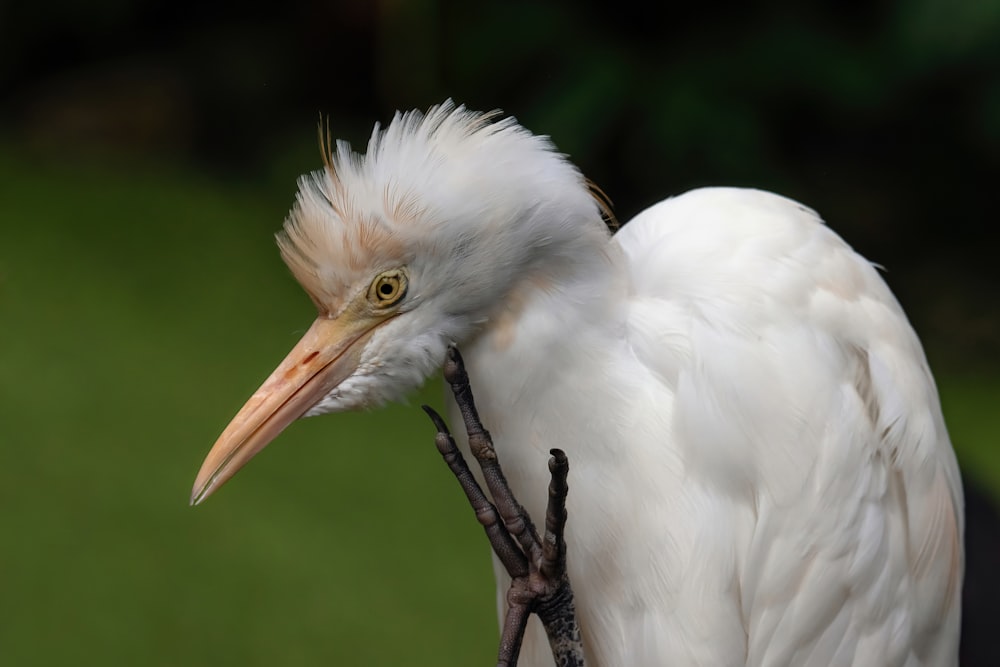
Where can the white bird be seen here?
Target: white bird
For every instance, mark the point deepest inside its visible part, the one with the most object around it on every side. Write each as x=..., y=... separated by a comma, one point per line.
x=761, y=473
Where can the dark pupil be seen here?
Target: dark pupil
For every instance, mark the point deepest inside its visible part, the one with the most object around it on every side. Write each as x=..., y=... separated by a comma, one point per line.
x=385, y=289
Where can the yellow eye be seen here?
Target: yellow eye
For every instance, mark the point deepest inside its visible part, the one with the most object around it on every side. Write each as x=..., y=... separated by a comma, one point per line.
x=388, y=288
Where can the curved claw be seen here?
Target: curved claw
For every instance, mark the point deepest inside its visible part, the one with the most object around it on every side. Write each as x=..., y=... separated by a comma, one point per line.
x=537, y=567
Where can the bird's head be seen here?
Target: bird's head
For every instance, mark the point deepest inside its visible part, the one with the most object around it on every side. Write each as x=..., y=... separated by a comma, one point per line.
x=404, y=250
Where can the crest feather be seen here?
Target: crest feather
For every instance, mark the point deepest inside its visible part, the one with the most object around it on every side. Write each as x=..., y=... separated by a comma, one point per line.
x=447, y=171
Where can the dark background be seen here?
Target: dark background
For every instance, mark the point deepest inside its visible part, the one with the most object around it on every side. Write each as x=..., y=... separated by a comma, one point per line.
x=148, y=150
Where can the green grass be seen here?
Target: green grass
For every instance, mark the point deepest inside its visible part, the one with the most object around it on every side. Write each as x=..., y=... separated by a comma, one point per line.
x=138, y=309
x=971, y=404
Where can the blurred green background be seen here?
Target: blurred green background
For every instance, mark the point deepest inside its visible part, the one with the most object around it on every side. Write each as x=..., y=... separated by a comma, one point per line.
x=148, y=152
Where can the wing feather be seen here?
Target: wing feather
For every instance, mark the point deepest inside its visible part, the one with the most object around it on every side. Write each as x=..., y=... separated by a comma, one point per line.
x=802, y=393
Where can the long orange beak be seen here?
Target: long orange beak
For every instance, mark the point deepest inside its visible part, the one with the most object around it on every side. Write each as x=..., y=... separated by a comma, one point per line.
x=328, y=354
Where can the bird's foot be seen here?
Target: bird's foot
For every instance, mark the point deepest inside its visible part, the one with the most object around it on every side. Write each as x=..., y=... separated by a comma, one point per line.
x=537, y=567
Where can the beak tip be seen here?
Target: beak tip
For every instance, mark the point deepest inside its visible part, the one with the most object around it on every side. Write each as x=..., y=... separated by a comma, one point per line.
x=199, y=493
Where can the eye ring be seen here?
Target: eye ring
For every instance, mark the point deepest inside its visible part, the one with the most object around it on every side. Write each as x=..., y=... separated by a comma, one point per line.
x=388, y=288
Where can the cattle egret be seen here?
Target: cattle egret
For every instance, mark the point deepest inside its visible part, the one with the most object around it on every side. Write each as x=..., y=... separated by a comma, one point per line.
x=761, y=472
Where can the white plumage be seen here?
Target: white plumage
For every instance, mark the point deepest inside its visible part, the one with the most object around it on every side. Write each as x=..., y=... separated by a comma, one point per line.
x=760, y=472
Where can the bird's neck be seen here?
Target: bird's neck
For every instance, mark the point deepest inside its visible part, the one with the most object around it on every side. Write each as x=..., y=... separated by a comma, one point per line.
x=562, y=318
